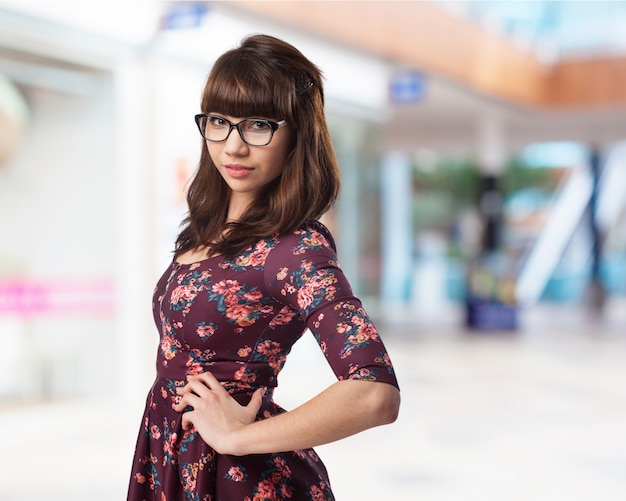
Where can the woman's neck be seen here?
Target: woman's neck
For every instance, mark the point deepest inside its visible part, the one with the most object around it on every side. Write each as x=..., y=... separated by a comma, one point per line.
x=237, y=206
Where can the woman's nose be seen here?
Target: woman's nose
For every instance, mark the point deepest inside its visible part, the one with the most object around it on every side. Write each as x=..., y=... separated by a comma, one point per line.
x=234, y=144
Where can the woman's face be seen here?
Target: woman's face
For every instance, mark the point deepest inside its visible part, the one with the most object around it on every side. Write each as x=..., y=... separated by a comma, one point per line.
x=245, y=168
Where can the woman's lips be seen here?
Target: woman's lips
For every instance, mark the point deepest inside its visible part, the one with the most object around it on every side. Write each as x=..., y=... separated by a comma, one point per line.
x=236, y=170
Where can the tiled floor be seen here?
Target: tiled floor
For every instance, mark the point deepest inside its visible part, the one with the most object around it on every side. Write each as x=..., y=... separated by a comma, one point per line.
x=533, y=416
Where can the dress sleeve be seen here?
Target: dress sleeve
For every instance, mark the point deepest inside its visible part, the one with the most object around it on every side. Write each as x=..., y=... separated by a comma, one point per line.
x=302, y=272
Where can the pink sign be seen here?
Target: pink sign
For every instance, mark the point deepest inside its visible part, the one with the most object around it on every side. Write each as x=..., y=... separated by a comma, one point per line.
x=57, y=296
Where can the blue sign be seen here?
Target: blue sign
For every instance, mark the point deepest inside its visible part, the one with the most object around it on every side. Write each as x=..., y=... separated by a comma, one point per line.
x=407, y=87
x=182, y=15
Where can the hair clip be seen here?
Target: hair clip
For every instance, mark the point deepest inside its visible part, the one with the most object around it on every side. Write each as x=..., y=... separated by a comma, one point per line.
x=307, y=85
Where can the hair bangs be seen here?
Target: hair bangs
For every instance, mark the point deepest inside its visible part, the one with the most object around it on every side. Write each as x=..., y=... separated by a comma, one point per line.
x=239, y=87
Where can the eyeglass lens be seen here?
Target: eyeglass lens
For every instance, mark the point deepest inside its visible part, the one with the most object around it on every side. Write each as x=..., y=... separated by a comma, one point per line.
x=253, y=132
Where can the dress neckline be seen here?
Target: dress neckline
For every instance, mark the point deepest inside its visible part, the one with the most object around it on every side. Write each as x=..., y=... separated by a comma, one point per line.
x=198, y=262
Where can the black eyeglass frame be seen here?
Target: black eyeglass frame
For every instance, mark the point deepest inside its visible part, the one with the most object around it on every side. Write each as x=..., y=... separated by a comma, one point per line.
x=274, y=126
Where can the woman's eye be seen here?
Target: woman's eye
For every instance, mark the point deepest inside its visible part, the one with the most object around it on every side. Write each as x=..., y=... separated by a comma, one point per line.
x=259, y=125
x=216, y=122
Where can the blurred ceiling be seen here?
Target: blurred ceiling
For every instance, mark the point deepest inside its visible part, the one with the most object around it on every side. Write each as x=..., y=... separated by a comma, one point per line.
x=554, y=30
x=540, y=70
x=537, y=71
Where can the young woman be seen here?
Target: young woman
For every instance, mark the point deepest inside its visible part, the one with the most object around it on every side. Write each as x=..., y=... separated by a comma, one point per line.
x=253, y=269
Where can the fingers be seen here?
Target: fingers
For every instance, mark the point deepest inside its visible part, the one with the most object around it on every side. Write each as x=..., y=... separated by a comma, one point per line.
x=204, y=391
x=191, y=394
x=256, y=401
x=186, y=401
x=187, y=420
x=200, y=390
x=209, y=380
x=200, y=385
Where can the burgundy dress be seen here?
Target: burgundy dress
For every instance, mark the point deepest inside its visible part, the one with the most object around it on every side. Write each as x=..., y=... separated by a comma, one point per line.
x=239, y=319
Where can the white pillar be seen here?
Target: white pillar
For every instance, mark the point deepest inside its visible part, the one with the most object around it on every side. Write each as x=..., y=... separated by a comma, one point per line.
x=348, y=141
x=135, y=334
x=397, y=228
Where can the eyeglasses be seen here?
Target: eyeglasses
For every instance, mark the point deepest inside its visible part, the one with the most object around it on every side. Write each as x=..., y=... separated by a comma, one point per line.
x=253, y=131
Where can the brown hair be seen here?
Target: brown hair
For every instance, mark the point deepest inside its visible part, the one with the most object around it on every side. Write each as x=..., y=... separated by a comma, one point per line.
x=264, y=77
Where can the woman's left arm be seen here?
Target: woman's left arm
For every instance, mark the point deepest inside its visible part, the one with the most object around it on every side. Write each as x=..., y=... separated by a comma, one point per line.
x=343, y=409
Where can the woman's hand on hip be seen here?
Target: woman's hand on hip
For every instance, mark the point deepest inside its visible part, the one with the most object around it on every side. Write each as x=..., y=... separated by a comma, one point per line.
x=215, y=413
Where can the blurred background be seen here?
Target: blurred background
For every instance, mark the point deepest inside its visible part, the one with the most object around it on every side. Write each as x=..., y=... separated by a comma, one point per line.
x=482, y=221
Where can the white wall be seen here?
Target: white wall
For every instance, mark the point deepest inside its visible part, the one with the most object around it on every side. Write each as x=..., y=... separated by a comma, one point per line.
x=56, y=201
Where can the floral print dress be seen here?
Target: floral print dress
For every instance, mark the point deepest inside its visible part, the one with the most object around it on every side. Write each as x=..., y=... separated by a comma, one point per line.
x=239, y=319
